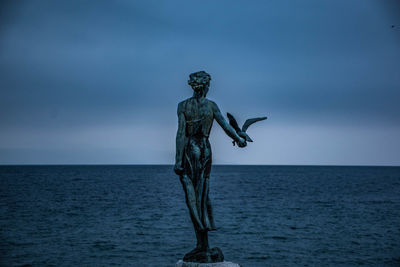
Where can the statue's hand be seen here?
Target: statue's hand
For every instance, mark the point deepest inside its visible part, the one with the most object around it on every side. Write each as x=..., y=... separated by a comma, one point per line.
x=178, y=168
x=242, y=142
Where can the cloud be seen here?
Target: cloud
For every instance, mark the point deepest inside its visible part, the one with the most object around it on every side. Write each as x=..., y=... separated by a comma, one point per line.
x=72, y=65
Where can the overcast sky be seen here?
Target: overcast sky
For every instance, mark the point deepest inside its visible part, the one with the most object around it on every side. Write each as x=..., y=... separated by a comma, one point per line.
x=99, y=81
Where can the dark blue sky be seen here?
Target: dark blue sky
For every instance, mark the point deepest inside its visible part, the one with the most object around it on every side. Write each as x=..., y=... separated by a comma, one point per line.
x=99, y=81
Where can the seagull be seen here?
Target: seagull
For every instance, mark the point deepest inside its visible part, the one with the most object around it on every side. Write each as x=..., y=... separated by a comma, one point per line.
x=242, y=132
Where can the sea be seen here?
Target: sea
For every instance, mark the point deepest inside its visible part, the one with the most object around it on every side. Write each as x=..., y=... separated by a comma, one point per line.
x=133, y=215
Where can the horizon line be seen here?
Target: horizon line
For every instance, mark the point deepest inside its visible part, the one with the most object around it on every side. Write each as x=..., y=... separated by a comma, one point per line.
x=165, y=164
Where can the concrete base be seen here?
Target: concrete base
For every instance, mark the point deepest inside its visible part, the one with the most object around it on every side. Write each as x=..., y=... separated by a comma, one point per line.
x=182, y=263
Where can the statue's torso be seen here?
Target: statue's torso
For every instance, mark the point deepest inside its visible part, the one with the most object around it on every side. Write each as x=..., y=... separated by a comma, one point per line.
x=199, y=117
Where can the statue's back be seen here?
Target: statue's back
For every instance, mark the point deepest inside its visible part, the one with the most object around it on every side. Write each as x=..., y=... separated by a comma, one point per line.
x=198, y=116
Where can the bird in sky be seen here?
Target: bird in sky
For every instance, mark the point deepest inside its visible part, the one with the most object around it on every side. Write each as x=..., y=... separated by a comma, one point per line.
x=242, y=132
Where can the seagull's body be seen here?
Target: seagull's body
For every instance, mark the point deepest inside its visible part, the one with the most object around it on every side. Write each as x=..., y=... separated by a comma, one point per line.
x=242, y=132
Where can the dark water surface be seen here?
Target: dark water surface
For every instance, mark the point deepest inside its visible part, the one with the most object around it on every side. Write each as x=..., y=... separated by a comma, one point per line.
x=136, y=216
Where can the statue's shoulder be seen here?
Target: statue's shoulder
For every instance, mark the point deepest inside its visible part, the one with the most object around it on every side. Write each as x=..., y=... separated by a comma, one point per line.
x=212, y=104
x=182, y=104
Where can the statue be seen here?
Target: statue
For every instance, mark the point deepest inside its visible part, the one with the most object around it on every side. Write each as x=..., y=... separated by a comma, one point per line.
x=193, y=161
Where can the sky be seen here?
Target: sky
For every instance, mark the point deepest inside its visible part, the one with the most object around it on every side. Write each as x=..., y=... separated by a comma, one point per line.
x=98, y=82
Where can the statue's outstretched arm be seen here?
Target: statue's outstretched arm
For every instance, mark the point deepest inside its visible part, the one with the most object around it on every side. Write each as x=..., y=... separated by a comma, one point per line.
x=225, y=125
x=180, y=140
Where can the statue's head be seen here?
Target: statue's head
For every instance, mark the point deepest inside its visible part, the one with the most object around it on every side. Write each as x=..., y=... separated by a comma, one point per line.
x=200, y=81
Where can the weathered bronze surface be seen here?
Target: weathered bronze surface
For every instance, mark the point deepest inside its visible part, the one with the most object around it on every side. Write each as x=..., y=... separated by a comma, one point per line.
x=193, y=161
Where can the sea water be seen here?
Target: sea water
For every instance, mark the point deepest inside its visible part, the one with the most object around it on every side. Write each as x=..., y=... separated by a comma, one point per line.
x=136, y=215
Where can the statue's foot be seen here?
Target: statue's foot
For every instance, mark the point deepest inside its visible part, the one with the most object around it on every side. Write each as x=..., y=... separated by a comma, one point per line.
x=197, y=249
x=207, y=228
x=212, y=228
x=204, y=255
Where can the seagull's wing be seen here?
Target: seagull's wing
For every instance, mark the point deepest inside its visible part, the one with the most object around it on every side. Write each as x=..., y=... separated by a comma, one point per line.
x=250, y=122
x=233, y=122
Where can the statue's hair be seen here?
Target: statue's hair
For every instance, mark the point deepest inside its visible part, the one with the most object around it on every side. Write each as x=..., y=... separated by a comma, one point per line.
x=200, y=76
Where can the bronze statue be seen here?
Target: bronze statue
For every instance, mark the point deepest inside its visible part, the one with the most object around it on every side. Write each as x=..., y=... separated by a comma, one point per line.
x=193, y=161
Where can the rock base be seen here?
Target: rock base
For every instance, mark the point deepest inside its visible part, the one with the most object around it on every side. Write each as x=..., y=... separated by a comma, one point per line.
x=204, y=256
x=210, y=264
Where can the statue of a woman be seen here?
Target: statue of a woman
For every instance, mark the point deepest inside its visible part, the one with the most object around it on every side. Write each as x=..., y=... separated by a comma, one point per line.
x=193, y=161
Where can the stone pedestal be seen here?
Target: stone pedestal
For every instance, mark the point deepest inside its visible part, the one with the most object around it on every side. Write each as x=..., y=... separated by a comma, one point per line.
x=182, y=263
x=204, y=255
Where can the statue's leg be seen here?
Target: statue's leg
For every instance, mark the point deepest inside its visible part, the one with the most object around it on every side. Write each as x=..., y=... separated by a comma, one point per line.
x=210, y=214
x=204, y=204
x=190, y=196
x=202, y=240
x=208, y=207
